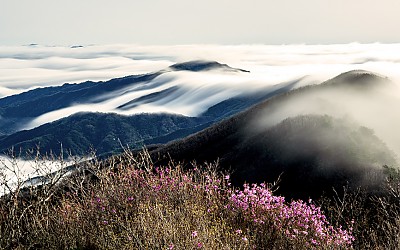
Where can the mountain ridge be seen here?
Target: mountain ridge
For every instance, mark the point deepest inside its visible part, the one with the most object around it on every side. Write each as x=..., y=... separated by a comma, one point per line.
x=17, y=109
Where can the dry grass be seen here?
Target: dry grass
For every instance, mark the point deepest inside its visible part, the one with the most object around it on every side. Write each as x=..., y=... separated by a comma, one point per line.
x=132, y=204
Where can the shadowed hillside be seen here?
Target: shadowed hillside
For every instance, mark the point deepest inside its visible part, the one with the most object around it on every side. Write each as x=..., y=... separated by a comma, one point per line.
x=104, y=133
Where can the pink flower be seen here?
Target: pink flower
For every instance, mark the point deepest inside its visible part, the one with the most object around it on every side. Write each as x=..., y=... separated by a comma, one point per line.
x=194, y=234
x=199, y=245
x=171, y=246
x=259, y=205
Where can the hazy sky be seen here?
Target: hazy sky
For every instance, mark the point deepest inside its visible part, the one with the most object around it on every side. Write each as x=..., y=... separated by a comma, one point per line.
x=71, y=22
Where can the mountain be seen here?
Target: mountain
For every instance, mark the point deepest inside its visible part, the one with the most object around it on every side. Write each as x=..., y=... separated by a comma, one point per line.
x=19, y=109
x=317, y=137
x=189, y=89
x=82, y=130
x=105, y=133
x=204, y=65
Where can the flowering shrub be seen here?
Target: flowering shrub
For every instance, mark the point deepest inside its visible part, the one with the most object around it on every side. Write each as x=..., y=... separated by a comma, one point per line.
x=297, y=220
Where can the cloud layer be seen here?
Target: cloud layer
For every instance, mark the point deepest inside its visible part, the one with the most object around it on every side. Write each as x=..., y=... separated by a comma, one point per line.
x=25, y=67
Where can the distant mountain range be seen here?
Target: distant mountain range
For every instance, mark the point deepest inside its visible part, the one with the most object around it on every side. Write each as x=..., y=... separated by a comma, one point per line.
x=85, y=124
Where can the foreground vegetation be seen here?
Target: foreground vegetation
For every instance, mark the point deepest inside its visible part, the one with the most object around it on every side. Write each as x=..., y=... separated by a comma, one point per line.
x=128, y=203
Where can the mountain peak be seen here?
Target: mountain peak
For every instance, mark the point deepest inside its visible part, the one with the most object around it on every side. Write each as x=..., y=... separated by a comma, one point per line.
x=202, y=65
x=360, y=78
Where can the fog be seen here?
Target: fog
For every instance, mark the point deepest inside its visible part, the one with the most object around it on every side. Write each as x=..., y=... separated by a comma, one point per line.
x=14, y=172
x=371, y=104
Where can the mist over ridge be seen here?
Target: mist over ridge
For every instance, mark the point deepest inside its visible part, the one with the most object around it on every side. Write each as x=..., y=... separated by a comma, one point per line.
x=362, y=96
x=188, y=89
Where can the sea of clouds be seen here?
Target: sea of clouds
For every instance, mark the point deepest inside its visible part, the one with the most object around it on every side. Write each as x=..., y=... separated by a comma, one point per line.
x=31, y=66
